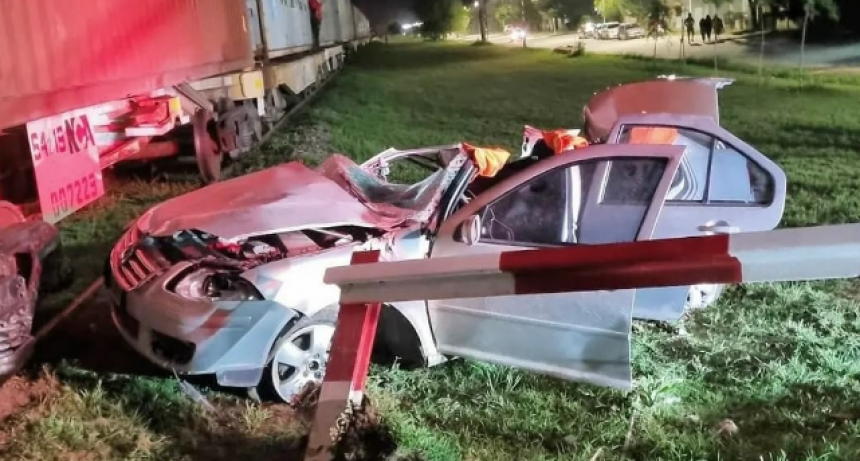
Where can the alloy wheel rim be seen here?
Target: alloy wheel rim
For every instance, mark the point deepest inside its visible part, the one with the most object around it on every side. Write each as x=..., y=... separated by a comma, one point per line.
x=301, y=359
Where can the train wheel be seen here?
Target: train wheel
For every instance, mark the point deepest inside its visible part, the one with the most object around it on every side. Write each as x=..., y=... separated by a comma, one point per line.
x=209, y=156
x=10, y=214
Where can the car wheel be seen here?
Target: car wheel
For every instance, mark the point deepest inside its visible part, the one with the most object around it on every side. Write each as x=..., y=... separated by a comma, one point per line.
x=298, y=357
x=702, y=296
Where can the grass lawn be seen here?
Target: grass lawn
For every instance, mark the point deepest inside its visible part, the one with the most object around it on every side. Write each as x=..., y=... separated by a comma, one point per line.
x=780, y=361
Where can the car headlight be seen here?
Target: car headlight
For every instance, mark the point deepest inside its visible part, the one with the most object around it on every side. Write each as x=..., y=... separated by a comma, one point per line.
x=216, y=286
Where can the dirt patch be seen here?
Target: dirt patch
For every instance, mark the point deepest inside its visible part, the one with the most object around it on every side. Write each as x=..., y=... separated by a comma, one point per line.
x=365, y=437
x=236, y=428
x=20, y=392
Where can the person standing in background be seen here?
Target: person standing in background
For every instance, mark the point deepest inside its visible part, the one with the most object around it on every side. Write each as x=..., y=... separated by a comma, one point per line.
x=709, y=24
x=702, y=28
x=689, y=23
x=316, y=20
x=718, y=28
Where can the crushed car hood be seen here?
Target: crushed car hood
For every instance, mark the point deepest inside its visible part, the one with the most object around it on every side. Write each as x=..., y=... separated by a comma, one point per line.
x=286, y=197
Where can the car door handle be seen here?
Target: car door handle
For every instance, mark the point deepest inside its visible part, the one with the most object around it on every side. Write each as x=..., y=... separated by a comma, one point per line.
x=720, y=229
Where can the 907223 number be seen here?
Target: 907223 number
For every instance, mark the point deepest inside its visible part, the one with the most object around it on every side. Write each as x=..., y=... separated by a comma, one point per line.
x=74, y=194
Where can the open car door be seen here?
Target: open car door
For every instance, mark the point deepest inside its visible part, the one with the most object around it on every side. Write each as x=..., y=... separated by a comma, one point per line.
x=722, y=185
x=602, y=194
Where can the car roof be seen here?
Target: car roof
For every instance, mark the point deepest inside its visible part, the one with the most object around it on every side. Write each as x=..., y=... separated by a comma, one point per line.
x=672, y=95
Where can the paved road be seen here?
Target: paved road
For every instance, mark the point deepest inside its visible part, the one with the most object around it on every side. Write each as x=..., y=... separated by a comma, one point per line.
x=737, y=48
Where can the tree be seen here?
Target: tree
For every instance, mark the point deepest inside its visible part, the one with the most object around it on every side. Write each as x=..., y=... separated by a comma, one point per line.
x=508, y=11
x=505, y=13
x=614, y=9
x=849, y=11
x=438, y=17
x=482, y=19
x=718, y=3
x=460, y=19
x=816, y=9
x=394, y=28
x=572, y=11
x=811, y=10
x=755, y=12
x=657, y=14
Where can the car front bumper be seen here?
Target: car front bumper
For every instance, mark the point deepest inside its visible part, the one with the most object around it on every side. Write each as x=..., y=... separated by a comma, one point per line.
x=231, y=340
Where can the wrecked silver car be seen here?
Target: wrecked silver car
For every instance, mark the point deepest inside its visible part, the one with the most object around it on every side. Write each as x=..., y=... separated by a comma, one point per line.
x=228, y=279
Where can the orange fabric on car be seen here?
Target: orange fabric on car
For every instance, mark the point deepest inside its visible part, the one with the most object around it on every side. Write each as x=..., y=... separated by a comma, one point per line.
x=561, y=140
x=653, y=135
x=488, y=160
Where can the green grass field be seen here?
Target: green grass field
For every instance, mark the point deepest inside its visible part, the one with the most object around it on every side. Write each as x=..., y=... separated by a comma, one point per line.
x=780, y=361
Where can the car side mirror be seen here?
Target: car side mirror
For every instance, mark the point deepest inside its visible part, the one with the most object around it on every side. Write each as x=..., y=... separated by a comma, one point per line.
x=469, y=231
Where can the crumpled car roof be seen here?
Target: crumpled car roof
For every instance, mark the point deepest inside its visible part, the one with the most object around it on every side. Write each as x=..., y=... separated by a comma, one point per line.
x=670, y=94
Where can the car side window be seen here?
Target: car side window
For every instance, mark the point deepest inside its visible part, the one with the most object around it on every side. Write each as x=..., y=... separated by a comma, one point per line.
x=632, y=181
x=737, y=179
x=572, y=205
x=710, y=171
x=688, y=184
x=533, y=213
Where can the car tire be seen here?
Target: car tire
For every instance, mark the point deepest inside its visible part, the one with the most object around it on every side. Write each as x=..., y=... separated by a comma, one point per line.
x=702, y=296
x=297, y=358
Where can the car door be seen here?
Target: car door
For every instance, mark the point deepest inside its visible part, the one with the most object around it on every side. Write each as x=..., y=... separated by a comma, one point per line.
x=722, y=185
x=597, y=195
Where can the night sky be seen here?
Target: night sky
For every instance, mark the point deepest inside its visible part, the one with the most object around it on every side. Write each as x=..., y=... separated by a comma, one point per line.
x=384, y=12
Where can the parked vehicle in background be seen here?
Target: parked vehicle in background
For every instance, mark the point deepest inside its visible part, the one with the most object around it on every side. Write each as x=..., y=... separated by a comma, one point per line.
x=587, y=30
x=224, y=282
x=594, y=31
x=630, y=31
x=516, y=32
x=203, y=78
x=609, y=30
x=656, y=31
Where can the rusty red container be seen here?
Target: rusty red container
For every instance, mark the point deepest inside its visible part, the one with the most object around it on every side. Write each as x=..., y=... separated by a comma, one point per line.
x=59, y=55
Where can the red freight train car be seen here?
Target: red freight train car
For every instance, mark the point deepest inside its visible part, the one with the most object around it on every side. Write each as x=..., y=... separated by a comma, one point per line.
x=59, y=55
x=87, y=84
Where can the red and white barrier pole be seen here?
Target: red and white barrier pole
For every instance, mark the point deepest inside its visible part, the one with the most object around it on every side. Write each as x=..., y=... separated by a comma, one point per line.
x=346, y=371
x=812, y=253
